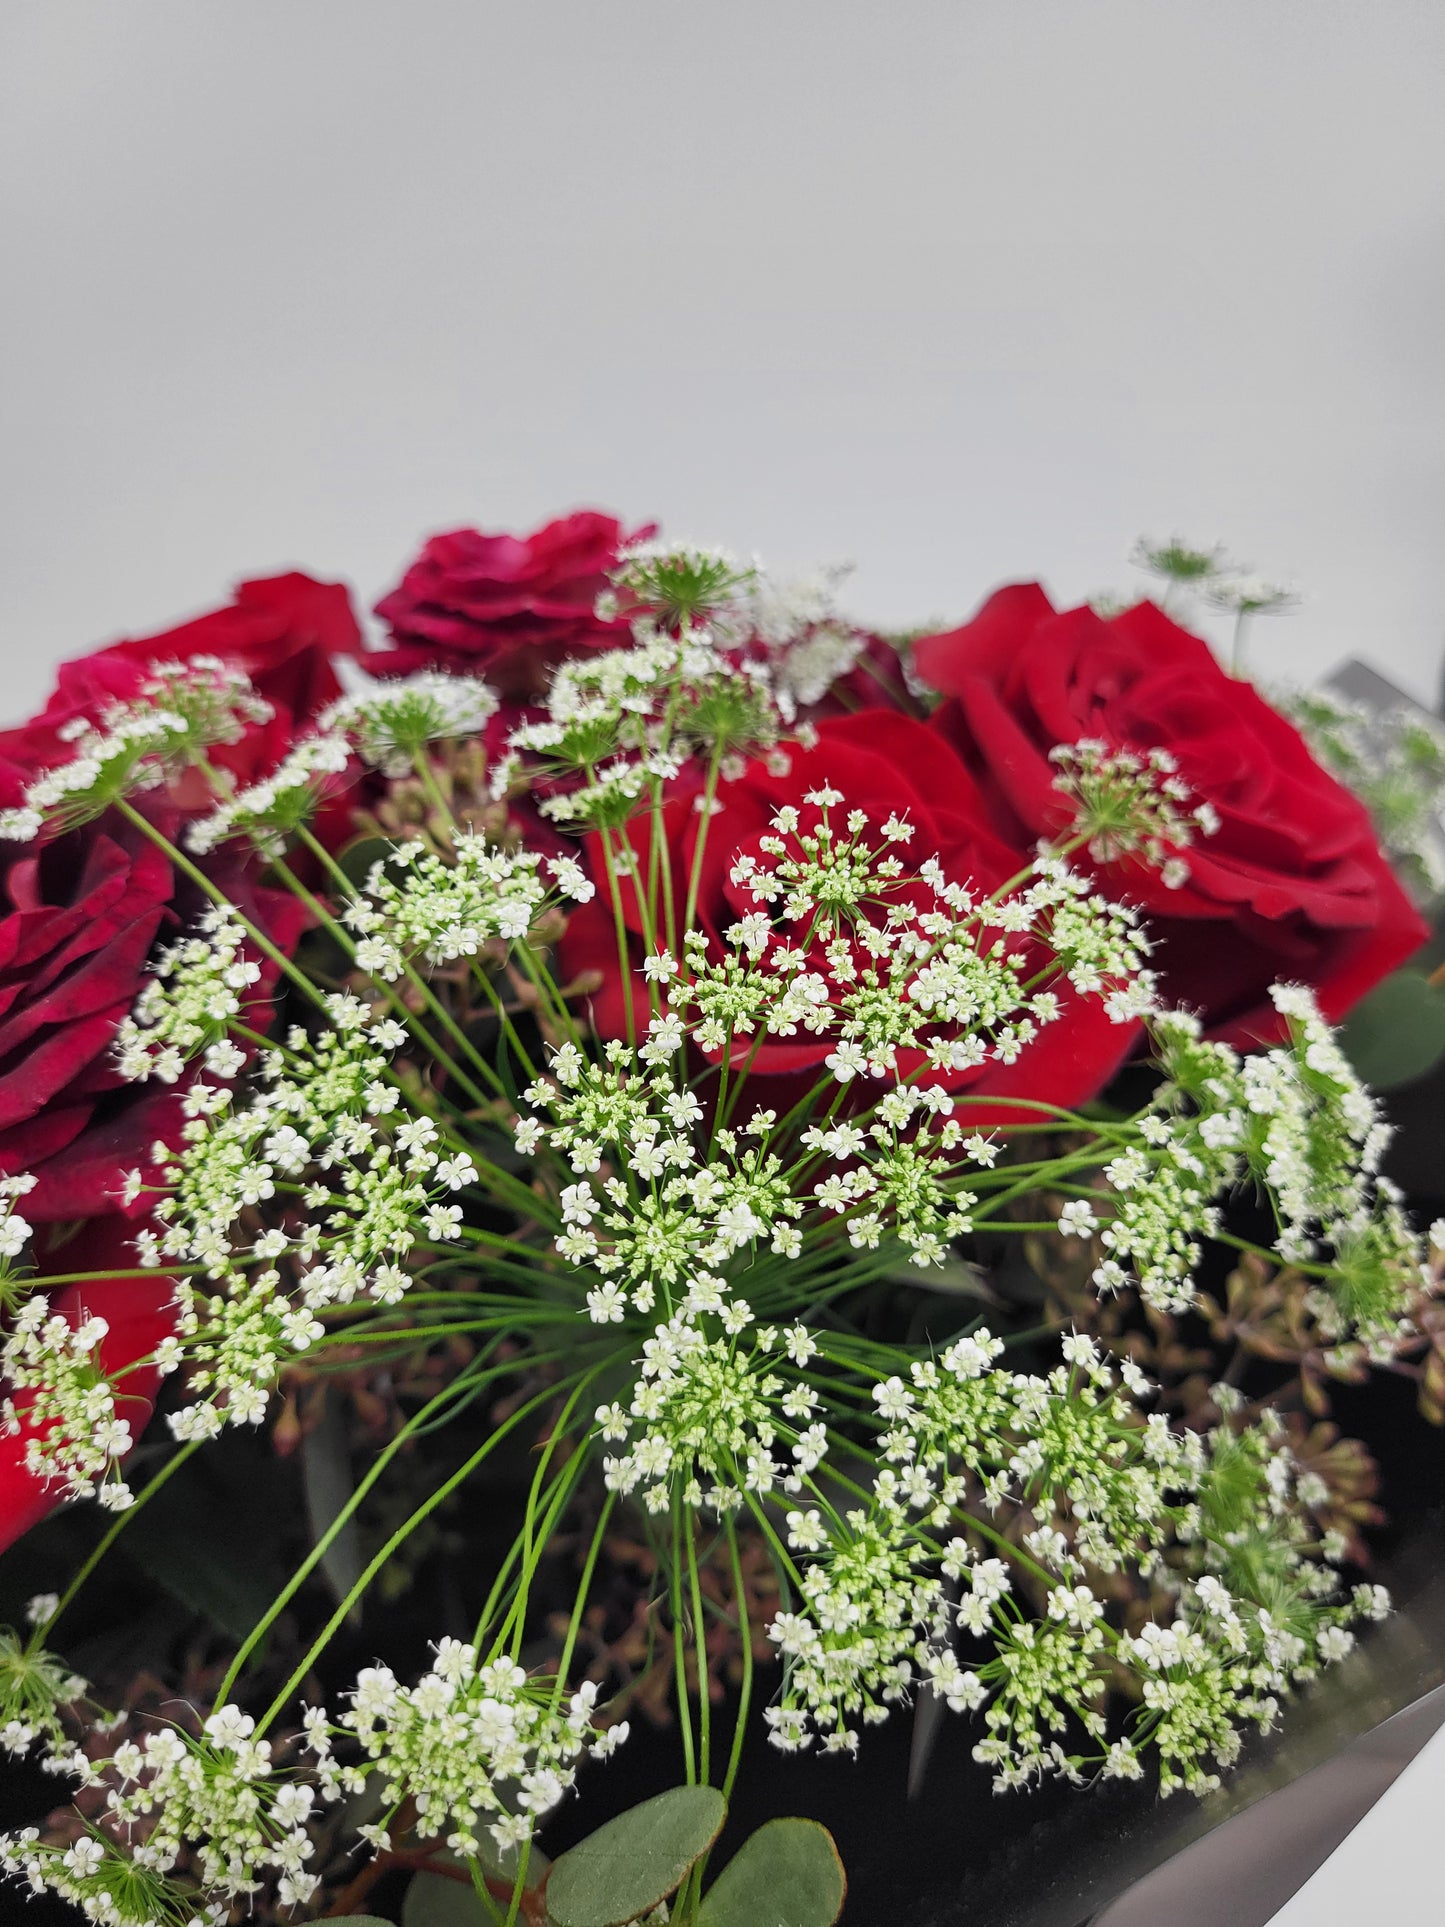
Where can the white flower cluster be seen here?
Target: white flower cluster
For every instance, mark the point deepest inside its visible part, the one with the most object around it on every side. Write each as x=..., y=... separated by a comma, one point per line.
x=218, y=1798
x=179, y=712
x=70, y=1410
x=417, y=905
x=845, y=943
x=196, y=992
x=672, y=1212
x=1298, y=1121
x=325, y=1127
x=15, y=1231
x=665, y=587
x=809, y=646
x=884, y=1596
x=1068, y=1444
x=1131, y=804
x=267, y=813
x=470, y=1739
x=35, y=1688
x=622, y=722
x=391, y=722
x=705, y=1409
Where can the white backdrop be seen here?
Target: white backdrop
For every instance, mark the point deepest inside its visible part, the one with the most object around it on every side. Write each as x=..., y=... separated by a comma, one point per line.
x=961, y=291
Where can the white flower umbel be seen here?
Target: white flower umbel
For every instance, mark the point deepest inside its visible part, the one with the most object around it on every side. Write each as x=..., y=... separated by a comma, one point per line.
x=64, y=1404
x=621, y=723
x=1131, y=804
x=705, y=1420
x=217, y=1798
x=196, y=993
x=474, y=1743
x=390, y=723
x=887, y=1588
x=419, y=905
x=180, y=712
x=268, y=813
x=848, y=942
x=1297, y=1121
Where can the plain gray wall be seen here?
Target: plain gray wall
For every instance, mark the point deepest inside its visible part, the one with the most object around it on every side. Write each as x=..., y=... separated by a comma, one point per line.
x=960, y=291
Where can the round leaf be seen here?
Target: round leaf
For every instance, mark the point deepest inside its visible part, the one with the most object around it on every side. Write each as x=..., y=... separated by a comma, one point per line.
x=1397, y=1033
x=624, y=1869
x=787, y=1874
x=432, y=1900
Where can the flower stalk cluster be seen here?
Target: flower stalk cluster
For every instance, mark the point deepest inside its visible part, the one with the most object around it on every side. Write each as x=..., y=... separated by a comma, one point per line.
x=656, y=1243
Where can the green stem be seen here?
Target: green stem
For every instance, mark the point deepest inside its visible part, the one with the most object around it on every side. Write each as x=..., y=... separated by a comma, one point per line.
x=746, y=1694
x=699, y=1647
x=318, y=1551
x=679, y=1648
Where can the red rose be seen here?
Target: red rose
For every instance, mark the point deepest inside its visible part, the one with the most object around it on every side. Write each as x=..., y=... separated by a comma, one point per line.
x=82, y=915
x=885, y=763
x=285, y=632
x=507, y=607
x=1292, y=887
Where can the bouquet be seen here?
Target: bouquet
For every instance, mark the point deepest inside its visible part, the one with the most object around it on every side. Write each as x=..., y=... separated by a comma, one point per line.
x=637, y=1029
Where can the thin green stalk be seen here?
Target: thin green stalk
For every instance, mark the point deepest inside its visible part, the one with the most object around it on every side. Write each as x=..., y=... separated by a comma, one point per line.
x=397, y=1539
x=709, y=795
x=699, y=1647
x=412, y=1429
x=746, y=1694
x=679, y=1650
x=422, y=764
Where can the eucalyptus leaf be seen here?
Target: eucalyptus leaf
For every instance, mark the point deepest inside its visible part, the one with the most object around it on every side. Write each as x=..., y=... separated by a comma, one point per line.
x=327, y=1477
x=1397, y=1033
x=208, y=1537
x=431, y=1900
x=787, y=1874
x=622, y=1871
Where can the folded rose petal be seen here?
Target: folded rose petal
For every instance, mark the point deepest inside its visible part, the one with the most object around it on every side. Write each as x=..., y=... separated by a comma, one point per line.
x=506, y=607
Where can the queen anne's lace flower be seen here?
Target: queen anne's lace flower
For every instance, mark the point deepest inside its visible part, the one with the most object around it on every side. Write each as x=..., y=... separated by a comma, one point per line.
x=435, y=1160
x=391, y=723
x=471, y=1739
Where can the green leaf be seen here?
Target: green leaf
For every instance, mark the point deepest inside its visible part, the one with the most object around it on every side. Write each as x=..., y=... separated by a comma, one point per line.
x=787, y=1874
x=624, y=1869
x=954, y=1278
x=358, y=1920
x=431, y=1900
x=209, y=1538
x=326, y=1477
x=1397, y=1033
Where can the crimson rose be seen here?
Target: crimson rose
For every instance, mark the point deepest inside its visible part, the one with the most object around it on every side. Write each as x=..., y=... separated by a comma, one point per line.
x=884, y=763
x=285, y=632
x=506, y=607
x=1292, y=886
x=80, y=915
